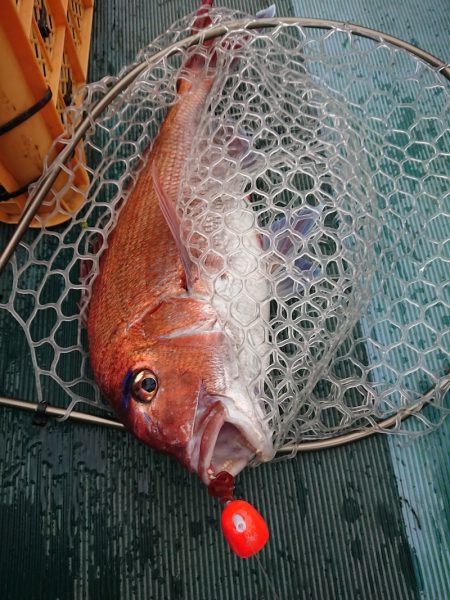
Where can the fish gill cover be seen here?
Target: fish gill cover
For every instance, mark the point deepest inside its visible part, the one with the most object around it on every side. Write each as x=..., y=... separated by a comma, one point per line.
x=316, y=205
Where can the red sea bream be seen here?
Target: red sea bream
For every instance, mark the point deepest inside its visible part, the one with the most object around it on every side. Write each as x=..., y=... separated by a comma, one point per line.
x=157, y=347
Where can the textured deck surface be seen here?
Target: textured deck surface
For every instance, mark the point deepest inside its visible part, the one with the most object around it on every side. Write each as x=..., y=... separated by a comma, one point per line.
x=87, y=513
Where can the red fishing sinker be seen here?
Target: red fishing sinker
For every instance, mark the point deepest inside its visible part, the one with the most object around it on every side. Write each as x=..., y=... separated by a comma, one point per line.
x=244, y=528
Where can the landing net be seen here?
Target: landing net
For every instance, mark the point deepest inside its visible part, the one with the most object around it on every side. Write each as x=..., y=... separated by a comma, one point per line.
x=315, y=203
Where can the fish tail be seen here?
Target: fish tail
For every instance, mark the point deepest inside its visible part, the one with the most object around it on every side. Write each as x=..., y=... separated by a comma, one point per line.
x=203, y=19
x=197, y=60
x=205, y=54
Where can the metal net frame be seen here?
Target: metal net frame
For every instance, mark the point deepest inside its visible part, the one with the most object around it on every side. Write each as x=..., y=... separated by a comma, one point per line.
x=315, y=203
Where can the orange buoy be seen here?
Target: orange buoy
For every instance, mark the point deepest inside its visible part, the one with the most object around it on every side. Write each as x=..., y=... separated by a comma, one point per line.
x=244, y=528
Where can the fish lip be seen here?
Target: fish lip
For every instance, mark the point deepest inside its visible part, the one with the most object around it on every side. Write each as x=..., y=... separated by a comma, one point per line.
x=206, y=437
x=212, y=424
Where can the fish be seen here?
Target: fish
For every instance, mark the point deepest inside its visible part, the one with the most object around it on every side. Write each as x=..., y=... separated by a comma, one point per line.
x=158, y=347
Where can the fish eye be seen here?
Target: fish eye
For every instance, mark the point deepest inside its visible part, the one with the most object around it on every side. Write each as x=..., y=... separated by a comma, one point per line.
x=144, y=385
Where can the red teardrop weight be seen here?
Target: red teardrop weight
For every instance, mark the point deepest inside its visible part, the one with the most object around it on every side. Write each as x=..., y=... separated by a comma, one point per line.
x=244, y=528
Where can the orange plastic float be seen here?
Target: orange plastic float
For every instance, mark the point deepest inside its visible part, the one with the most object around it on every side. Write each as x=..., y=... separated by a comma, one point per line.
x=243, y=527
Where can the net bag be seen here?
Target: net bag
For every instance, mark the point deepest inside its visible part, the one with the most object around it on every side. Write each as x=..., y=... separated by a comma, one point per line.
x=315, y=204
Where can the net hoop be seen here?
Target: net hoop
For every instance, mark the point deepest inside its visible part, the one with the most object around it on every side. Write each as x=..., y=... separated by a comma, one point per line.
x=44, y=186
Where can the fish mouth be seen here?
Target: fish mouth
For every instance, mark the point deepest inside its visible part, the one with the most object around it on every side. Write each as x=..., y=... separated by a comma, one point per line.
x=219, y=444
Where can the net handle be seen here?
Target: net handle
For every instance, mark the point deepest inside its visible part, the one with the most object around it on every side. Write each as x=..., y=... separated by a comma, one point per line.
x=441, y=388
x=39, y=193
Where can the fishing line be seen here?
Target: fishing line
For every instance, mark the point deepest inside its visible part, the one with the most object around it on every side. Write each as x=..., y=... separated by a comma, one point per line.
x=266, y=577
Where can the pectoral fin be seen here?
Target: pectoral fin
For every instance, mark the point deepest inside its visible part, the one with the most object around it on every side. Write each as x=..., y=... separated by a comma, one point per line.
x=167, y=207
x=267, y=13
x=236, y=142
x=283, y=241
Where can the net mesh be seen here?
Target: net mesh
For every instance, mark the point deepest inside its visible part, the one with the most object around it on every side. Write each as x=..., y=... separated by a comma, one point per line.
x=315, y=204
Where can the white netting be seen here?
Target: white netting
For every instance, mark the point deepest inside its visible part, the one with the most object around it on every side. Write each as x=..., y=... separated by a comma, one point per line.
x=316, y=204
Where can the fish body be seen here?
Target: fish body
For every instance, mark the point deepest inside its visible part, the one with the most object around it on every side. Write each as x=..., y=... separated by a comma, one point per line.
x=158, y=348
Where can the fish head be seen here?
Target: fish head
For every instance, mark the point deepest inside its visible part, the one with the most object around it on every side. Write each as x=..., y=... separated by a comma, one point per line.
x=176, y=388
x=158, y=401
